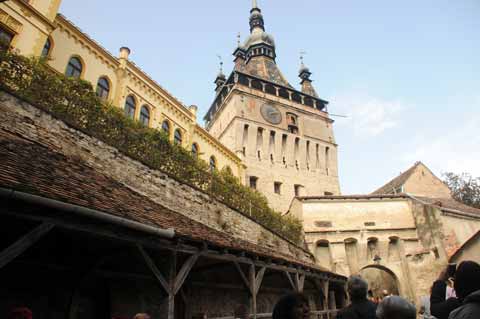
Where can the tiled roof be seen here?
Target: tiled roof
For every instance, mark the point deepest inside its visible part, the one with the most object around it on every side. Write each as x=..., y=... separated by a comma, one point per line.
x=29, y=167
x=397, y=181
x=352, y=197
x=472, y=239
x=265, y=68
x=450, y=204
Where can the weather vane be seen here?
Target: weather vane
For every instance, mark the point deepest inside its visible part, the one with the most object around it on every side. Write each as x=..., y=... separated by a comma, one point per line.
x=221, y=62
x=302, y=56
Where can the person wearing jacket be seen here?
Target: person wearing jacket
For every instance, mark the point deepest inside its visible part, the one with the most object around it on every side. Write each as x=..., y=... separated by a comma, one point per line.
x=439, y=307
x=361, y=307
x=467, y=288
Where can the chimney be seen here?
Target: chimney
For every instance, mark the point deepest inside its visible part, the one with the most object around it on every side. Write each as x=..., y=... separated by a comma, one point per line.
x=193, y=109
x=124, y=54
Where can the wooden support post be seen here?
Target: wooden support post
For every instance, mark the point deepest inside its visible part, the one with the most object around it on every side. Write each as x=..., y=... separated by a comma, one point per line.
x=299, y=282
x=21, y=245
x=183, y=273
x=253, y=295
x=325, y=294
x=290, y=280
x=171, y=293
x=156, y=272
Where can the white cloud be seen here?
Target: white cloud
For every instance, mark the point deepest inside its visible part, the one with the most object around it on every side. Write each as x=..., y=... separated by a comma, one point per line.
x=455, y=148
x=368, y=116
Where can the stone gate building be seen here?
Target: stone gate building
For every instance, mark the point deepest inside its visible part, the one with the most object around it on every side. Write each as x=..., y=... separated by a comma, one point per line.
x=409, y=229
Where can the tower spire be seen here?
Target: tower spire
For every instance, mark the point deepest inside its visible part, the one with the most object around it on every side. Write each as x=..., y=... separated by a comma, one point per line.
x=254, y=4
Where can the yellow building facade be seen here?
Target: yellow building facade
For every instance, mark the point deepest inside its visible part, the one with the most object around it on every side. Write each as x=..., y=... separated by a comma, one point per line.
x=34, y=28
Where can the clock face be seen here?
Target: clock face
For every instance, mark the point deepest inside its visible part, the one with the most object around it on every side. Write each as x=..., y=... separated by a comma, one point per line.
x=271, y=114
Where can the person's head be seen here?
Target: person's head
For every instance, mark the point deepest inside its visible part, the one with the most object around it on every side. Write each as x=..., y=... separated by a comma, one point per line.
x=385, y=293
x=20, y=313
x=396, y=307
x=467, y=279
x=357, y=288
x=141, y=316
x=241, y=311
x=292, y=306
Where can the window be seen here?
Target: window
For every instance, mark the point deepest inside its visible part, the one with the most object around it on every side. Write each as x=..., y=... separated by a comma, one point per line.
x=253, y=182
x=369, y=224
x=323, y=223
x=130, y=107
x=277, y=187
x=328, y=193
x=166, y=127
x=245, y=139
x=145, y=115
x=46, y=48
x=213, y=163
x=195, y=149
x=177, y=137
x=292, y=121
x=298, y=190
x=5, y=38
x=74, y=68
x=327, y=158
x=103, y=88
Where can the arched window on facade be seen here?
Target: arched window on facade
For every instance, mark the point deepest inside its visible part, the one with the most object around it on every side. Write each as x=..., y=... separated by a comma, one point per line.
x=177, y=137
x=130, y=106
x=166, y=127
x=74, y=68
x=213, y=163
x=323, y=254
x=103, y=88
x=6, y=38
x=46, y=48
x=145, y=115
x=195, y=149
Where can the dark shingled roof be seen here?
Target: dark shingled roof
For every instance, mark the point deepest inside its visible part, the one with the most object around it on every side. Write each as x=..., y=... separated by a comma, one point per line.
x=397, y=181
x=33, y=168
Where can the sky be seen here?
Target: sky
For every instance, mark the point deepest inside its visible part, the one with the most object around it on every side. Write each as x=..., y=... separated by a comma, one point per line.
x=405, y=73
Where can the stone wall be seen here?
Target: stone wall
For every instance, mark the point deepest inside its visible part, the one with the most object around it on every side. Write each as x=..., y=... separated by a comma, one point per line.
x=24, y=119
x=423, y=182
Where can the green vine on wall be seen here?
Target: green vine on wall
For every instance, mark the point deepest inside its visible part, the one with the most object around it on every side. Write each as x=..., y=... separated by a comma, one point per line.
x=75, y=102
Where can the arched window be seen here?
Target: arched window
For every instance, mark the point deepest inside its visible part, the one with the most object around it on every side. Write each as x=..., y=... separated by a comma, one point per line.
x=213, y=163
x=177, y=137
x=46, y=48
x=74, y=68
x=103, y=88
x=6, y=38
x=195, y=149
x=145, y=115
x=130, y=107
x=166, y=127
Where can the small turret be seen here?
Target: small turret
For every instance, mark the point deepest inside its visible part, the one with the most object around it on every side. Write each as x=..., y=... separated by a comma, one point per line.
x=306, y=82
x=220, y=80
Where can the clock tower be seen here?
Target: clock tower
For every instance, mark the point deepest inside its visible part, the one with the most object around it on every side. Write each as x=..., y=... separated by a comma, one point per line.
x=284, y=135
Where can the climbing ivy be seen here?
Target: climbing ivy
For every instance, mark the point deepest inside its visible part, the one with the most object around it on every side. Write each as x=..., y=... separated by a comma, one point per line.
x=74, y=101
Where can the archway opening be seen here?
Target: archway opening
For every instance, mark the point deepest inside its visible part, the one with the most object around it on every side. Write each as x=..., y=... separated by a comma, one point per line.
x=380, y=280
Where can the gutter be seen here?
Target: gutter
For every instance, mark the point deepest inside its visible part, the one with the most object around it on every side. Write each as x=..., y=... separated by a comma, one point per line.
x=10, y=194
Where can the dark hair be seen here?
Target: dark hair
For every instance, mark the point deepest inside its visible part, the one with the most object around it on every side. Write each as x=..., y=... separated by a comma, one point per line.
x=395, y=307
x=467, y=279
x=284, y=309
x=357, y=288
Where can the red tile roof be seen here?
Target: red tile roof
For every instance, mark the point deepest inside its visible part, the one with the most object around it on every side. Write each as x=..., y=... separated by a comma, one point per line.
x=32, y=168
